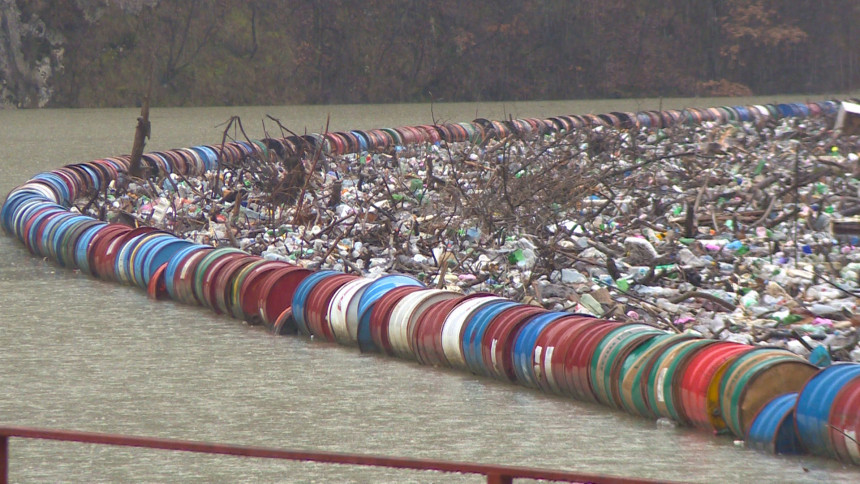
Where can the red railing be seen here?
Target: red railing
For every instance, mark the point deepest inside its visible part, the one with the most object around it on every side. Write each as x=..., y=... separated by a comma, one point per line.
x=494, y=474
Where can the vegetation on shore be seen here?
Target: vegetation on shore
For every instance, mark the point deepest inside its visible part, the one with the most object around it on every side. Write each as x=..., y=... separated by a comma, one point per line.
x=99, y=53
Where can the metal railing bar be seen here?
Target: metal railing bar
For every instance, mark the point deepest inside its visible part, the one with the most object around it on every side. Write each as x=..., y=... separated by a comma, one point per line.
x=494, y=473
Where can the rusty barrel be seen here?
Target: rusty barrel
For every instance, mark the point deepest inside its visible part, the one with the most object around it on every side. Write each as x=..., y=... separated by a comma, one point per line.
x=754, y=379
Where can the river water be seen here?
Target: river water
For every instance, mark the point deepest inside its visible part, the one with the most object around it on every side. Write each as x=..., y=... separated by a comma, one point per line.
x=81, y=354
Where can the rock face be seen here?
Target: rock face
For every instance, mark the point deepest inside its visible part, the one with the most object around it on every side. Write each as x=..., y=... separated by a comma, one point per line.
x=29, y=55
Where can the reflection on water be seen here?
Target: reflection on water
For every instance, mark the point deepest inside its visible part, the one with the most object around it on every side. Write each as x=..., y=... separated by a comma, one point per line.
x=82, y=354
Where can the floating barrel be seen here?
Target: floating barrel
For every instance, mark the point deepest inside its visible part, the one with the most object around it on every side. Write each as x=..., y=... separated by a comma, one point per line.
x=99, y=255
x=405, y=314
x=636, y=369
x=661, y=382
x=551, y=349
x=176, y=261
x=609, y=356
x=301, y=294
x=316, y=310
x=754, y=379
x=524, y=346
x=371, y=294
x=380, y=316
x=454, y=328
x=815, y=403
x=251, y=285
x=845, y=422
x=183, y=279
x=473, y=334
x=224, y=286
x=204, y=271
x=497, y=340
x=236, y=298
x=276, y=293
x=67, y=254
x=577, y=363
x=694, y=382
x=772, y=428
x=163, y=253
x=343, y=311
x=156, y=289
x=427, y=337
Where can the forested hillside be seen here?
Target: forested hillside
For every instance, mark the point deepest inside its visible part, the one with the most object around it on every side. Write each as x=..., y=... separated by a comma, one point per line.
x=100, y=53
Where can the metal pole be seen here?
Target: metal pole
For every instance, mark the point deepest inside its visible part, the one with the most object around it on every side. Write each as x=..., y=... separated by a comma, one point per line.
x=4, y=459
x=499, y=479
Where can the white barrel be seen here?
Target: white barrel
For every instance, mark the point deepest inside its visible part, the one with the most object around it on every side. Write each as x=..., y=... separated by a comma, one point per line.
x=452, y=328
x=406, y=312
x=342, y=311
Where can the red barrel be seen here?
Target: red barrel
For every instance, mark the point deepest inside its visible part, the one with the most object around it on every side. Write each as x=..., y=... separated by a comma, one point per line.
x=844, y=423
x=499, y=337
x=211, y=276
x=183, y=279
x=100, y=261
x=578, y=361
x=249, y=291
x=157, y=289
x=556, y=344
x=381, y=314
x=277, y=291
x=317, y=302
x=428, y=332
x=696, y=378
x=223, y=289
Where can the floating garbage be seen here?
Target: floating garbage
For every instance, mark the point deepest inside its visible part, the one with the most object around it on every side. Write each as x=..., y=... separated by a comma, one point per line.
x=487, y=296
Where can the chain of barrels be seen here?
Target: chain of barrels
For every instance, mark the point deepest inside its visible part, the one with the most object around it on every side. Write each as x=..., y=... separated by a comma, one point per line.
x=775, y=400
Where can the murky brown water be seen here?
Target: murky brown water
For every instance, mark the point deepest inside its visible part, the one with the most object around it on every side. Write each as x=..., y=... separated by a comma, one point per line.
x=82, y=354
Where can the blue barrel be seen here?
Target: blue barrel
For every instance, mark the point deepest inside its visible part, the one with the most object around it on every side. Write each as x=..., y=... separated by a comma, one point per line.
x=18, y=208
x=368, y=299
x=363, y=140
x=41, y=220
x=473, y=333
x=122, y=268
x=57, y=184
x=173, y=264
x=43, y=246
x=82, y=248
x=772, y=429
x=300, y=298
x=802, y=109
x=743, y=113
x=829, y=107
x=209, y=156
x=524, y=346
x=57, y=241
x=26, y=213
x=140, y=256
x=10, y=208
x=93, y=180
x=161, y=254
x=138, y=259
x=66, y=251
x=812, y=413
